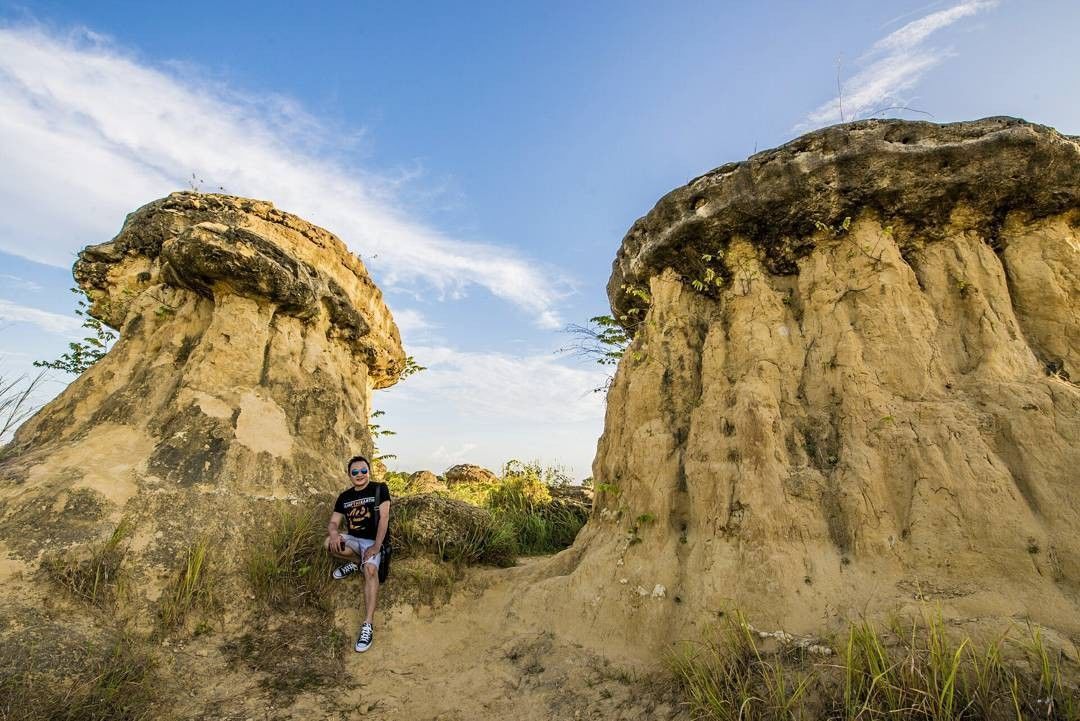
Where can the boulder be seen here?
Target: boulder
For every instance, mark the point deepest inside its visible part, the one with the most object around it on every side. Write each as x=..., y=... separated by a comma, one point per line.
x=576, y=497
x=449, y=529
x=468, y=473
x=424, y=482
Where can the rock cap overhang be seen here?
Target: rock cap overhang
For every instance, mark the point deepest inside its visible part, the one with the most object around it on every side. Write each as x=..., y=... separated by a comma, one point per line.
x=212, y=244
x=914, y=174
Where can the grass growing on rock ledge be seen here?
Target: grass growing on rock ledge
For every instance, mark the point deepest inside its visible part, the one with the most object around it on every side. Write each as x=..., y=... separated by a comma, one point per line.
x=910, y=672
x=189, y=589
x=98, y=578
x=288, y=568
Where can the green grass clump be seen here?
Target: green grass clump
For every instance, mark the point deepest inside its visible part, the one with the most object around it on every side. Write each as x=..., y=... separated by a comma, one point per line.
x=99, y=578
x=730, y=677
x=288, y=568
x=117, y=681
x=909, y=673
x=189, y=589
x=521, y=502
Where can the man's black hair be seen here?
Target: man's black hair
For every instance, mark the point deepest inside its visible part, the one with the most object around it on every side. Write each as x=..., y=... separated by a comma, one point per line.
x=354, y=459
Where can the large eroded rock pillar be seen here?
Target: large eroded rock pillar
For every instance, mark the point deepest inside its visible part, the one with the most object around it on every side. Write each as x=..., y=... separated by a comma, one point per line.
x=852, y=388
x=250, y=342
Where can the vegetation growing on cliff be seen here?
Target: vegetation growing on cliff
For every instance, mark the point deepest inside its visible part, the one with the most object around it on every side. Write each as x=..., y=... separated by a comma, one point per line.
x=86, y=352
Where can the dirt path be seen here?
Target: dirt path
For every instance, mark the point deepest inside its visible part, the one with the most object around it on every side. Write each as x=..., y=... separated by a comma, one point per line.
x=472, y=659
x=475, y=658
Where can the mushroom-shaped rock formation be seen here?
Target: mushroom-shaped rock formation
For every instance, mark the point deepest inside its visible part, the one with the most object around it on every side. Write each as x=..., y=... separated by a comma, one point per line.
x=851, y=388
x=250, y=342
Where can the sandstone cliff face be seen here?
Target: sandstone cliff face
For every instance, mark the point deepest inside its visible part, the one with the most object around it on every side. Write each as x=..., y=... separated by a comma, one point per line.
x=848, y=391
x=250, y=342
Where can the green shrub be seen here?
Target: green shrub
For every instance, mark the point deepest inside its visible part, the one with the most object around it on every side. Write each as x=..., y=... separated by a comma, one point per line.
x=525, y=517
x=397, y=482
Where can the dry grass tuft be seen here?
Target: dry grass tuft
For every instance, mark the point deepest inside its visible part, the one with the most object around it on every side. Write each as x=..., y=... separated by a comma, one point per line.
x=301, y=655
x=190, y=588
x=115, y=681
x=99, y=579
x=289, y=569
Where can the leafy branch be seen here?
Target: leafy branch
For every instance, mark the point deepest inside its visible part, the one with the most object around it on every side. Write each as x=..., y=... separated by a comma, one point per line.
x=377, y=430
x=88, y=351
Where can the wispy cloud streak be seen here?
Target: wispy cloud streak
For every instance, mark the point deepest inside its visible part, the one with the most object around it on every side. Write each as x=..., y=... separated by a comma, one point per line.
x=50, y=322
x=893, y=66
x=88, y=133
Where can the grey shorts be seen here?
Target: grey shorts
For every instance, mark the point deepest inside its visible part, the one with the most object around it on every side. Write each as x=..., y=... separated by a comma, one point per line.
x=359, y=545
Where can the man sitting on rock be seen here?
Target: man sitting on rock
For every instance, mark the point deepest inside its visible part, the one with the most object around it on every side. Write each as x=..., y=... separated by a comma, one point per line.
x=366, y=505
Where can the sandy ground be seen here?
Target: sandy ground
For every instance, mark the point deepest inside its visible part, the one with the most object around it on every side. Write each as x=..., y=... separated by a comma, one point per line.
x=472, y=658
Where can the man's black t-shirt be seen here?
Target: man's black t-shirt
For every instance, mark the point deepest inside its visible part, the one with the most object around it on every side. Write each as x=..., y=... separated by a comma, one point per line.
x=361, y=508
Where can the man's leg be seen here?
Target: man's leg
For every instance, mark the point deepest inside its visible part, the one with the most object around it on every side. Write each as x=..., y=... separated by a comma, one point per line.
x=346, y=553
x=371, y=590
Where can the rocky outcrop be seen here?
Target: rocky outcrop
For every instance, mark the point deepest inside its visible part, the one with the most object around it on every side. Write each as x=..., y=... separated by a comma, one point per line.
x=468, y=473
x=851, y=389
x=424, y=482
x=250, y=342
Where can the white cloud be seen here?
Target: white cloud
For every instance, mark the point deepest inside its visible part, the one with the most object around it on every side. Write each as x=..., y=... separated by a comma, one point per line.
x=916, y=31
x=50, y=322
x=533, y=388
x=894, y=65
x=458, y=455
x=410, y=320
x=487, y=408
x=88, y=133
x=14, y=282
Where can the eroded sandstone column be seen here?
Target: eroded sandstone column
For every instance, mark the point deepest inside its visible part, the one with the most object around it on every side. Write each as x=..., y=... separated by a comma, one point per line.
x=250, y=342
x=852, y=389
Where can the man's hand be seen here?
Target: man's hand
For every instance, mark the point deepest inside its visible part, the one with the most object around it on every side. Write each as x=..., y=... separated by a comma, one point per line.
x=337, y=543
x=370, y=553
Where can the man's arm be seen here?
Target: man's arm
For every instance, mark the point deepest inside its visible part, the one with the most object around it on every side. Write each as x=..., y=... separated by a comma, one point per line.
x=336, y=542
x=380, y=535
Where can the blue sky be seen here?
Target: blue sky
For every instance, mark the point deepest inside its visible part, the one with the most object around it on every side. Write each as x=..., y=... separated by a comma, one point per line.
x=485, y=159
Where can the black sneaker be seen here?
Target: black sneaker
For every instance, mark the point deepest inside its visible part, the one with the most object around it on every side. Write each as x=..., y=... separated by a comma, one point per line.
x=347, y=570
x=367, y=635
